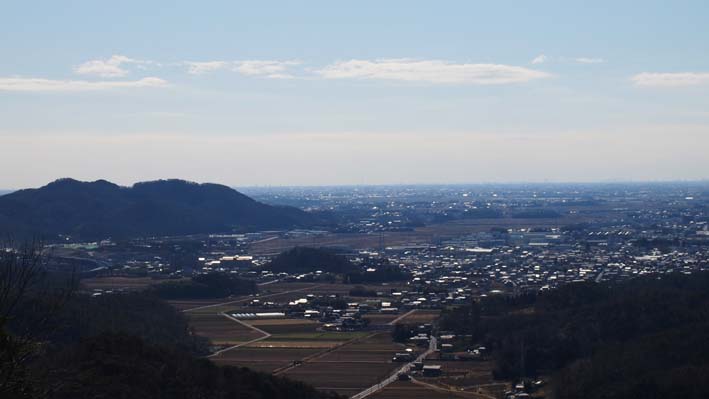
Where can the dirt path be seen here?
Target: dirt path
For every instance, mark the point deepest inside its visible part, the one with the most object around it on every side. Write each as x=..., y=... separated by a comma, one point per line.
x=261, y=338
x=403, y=316
x=322, y=353
x=460, y=394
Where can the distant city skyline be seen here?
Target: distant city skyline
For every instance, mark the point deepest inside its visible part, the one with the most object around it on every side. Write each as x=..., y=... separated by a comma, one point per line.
x=320, y=93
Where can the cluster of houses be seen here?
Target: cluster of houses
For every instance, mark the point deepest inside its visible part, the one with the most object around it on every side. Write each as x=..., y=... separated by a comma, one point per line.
x=310, y=307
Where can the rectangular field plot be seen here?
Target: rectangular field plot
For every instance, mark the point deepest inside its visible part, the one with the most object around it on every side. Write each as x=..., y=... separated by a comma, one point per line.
x=465, y=374
x=221, y=330
x=380, y=319
x=263, y=358
x=285, y=326
x=345, y=377
x=114, y=283
x=323, y=340
x=420, y=317
x=378, y=348
x=409, y=390
x=186, y=304
x=352, y=368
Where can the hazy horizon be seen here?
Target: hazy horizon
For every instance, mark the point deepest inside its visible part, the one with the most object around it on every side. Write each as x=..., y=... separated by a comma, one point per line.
x=6, y=190
x=283, y=94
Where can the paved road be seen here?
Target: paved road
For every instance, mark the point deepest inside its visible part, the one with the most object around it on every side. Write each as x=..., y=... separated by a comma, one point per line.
x=395, y=376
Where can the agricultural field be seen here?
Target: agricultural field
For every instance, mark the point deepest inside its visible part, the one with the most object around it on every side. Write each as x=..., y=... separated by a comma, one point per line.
x=410, y=390
x=345, y=362
x=322, y=289
x=419, y=317
x=289, y=340
x=119, y=283
x=220, y=330
x=420, y=235
x=475, y=376
x=187, y=304
x=350, y=368
x=378, y=319
x=263, y=358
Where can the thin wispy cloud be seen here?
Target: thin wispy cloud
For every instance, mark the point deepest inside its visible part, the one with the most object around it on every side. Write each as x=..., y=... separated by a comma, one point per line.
x=112, y=67
x=543, y=59
x=540, y=59
x=199, y=68
x=261, y=68
x=430, y=71
x=270, y=69
x=587, y=60
x=51, y=85
x=672, y=79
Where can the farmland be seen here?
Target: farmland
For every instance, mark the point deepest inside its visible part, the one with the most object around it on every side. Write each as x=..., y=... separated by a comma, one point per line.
x=346, y=362
x=420, y=235
x=343, y=361
x=419, y=317
x=117, y=282
x=350, y=368
x=411, y=390
x=221, y=330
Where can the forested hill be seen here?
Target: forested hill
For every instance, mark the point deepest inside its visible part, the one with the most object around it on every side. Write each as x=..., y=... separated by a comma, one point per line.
x=644, y=338
x=56, y=343
x=99, y=209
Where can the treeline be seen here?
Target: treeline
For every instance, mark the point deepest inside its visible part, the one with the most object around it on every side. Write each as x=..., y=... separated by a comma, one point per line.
x=309, y=260
x=82, y=316
x=205, y=286
x=121, y=366
x=402, y=332
x=361, y=291
x=637, y=338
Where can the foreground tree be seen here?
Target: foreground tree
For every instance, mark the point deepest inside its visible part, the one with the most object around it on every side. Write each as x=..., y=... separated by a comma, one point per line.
x=21, y=271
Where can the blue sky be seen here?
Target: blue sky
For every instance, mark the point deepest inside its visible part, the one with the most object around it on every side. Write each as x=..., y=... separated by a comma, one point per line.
x=292, y=93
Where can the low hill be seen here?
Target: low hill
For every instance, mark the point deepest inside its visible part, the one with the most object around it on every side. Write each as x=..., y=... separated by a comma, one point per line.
x=121, y=366
x=99, y=209
x=306, y=260
x=643, y=338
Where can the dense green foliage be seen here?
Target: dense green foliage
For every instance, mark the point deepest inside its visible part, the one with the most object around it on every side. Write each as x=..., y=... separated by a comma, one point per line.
x=308, y=260
x=362, y=291
x=638, y=338
x=402, y=332
x=205, y=286
x=100, y=209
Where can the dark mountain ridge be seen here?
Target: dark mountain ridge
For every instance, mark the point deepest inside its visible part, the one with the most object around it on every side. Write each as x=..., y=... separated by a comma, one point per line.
x=99, y=209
